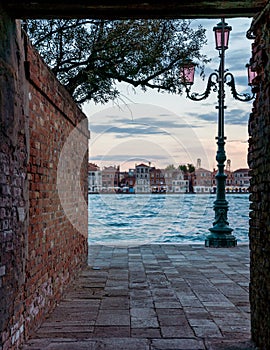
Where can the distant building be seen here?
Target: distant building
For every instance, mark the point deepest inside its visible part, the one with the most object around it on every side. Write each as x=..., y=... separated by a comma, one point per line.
x=127, y=181
x=175, y=181
x=147, y=179
x=94, y=178
x=168, y=177
x=157, y=181
x=179, y=183
x=142, y=172
x=202, y=181
x=241, y=180
x=110, y=178
x=229, y=180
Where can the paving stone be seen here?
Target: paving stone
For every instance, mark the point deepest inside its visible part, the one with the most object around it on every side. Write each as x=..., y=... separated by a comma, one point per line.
x=138, y=285
x=117, y=291
x=142, y=312
x=211, y=297
x=140, y=294
x=113, y=318
x=229, y=344
x=190, y=301
x=73, y=331
x=212, y=305
x=203, y=331
x=145, y=333
x=94, y=344
x=167, y=297
x=183, y=331
x=172, y=320
x=144, y=322
x=142, y=303
x=167, y=305
x=111, y=331
x=177, y=344
x=197, y=313
x=168, y=311
x=114, y=303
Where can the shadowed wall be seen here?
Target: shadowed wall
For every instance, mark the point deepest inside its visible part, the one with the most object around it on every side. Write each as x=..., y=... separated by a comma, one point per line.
x=16, y=149
x=43, y=187
x=259, y=162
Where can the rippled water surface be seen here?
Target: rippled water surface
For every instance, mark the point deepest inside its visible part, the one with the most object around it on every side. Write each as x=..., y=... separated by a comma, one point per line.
x=183, y=218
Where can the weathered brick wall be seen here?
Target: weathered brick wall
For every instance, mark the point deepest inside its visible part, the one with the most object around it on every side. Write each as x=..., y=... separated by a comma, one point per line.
x=14, y=142
x=57, y=241
x=259, y=162
x=43, y=188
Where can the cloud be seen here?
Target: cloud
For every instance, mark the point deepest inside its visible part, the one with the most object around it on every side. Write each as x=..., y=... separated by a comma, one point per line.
x=209, y=117
x=127, y=130
x=232, y=117
x=237, y=63
x=142, y=126
x=172, y=122
x=124, y=158
x=236, y=117
x=241, y=81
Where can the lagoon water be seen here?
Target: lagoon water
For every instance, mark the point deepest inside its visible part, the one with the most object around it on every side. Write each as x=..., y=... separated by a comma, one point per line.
x=123, y=219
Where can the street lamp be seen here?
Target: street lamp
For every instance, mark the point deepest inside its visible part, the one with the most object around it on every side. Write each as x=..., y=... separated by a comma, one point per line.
x=221, y=233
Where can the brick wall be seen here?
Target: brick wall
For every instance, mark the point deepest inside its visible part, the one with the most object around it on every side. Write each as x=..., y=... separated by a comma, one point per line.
x=57, y=235
x=259, y=162
x=43, y=188
x=14, y=151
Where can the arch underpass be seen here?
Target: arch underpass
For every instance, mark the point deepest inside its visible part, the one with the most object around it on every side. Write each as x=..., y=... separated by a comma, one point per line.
x=24, y=96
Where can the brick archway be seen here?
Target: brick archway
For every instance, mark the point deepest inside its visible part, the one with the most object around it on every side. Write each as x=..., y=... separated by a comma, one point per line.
x=14, y=103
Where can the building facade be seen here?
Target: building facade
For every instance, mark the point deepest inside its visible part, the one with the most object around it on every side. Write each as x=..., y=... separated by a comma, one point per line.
x=241, y=180
x=142, y=172
x=230, y=184
x=157, y=181
x=175, y=181
x=202, y=181
x=94, y=178
x=127, y=181
x=110, y=179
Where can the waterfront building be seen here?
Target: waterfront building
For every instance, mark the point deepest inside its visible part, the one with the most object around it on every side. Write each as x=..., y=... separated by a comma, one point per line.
x=241, y=180
x=147, y=179
x=168, y=177
x=110, y=178
x=94, y=178
x=229, y=180
x=202, y=181
x=180, y=185
x=176, y=181
x=127, y=181
x=157, y=181
x=142, y=172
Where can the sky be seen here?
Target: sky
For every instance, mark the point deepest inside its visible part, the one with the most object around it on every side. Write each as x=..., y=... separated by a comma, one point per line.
x=163, y=129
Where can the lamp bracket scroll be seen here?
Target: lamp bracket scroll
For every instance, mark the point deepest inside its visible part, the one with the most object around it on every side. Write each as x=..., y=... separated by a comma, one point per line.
x=211, y=85
x=245, y=97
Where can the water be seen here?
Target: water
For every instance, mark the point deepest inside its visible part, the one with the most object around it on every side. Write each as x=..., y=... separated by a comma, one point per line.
x=182, y=218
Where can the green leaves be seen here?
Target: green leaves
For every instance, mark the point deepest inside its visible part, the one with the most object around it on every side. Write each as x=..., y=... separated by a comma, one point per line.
x=90, y=56
x=189, y=168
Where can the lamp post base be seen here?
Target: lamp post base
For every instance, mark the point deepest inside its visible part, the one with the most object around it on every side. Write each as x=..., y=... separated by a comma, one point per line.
x=215, y=240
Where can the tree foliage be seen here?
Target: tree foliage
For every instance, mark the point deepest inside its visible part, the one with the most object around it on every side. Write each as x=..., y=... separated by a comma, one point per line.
x=189, y=168
x=89, y=57
x=170, y=167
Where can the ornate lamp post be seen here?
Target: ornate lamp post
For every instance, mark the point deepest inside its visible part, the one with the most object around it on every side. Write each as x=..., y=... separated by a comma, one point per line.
x=220, y=233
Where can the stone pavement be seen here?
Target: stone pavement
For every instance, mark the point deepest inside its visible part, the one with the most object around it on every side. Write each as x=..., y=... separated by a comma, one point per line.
x=154, y=297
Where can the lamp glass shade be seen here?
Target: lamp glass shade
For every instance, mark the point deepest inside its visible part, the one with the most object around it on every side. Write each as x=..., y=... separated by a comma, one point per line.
x=251, y=75
x=187, y=73
x=222, y=41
